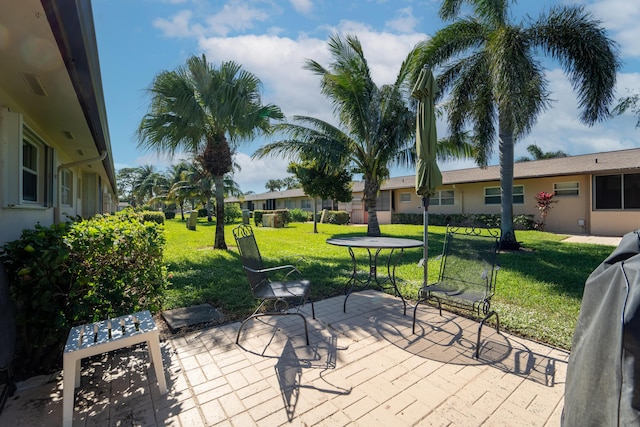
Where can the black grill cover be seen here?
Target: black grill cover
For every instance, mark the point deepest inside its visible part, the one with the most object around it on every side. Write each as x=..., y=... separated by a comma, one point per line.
x=603, y=375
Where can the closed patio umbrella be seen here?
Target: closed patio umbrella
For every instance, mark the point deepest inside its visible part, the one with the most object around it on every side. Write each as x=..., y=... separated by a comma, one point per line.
x=428, y=175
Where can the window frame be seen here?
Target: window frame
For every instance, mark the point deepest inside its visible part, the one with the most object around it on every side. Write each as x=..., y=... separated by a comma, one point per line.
x=619, y=187
x=405, y=193
x=66, y=187
x=517, y=198
x=567, y=191
x=438, y=198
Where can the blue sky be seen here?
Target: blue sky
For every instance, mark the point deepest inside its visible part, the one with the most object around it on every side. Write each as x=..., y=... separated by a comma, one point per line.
x=272, y=38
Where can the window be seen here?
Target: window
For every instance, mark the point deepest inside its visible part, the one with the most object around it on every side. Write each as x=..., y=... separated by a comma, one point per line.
x=383, y=203
x=620, y=191
x=29, y=172
x=405, y=197
x=563, y=189
x=492, y=195
x=289, y=204
x=305, y=203
x=66, y=187
x=442, y=198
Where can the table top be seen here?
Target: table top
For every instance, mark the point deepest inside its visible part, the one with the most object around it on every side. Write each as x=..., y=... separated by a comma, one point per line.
x=375, y=242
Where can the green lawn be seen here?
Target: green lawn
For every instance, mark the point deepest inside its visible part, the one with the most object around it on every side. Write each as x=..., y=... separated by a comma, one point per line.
x=538, y=291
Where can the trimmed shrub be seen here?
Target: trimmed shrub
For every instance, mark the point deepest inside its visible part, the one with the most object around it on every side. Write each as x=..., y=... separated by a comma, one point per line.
x=232, y=213
x=257, y=217
x=153, y=216
x=337, y=217
x=74, y=273
x=169, y=214
x=299, y=215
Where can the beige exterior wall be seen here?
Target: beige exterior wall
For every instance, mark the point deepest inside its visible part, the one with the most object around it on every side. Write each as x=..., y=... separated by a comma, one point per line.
x=568, y=215
x=614, y=223
x=572, y=214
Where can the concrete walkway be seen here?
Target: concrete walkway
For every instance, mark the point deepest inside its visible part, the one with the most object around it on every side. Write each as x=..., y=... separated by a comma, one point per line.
x=362, y=368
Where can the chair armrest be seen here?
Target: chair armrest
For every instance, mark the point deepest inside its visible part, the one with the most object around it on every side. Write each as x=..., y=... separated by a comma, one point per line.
x=271, y=269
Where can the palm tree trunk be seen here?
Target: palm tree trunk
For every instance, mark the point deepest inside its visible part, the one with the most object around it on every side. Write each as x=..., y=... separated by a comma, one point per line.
x=507, y=234
x=371, y=188
x=219, y=242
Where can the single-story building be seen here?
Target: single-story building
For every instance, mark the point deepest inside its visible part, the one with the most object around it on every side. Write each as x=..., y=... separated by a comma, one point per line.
x=597, y=194
x=55, y=152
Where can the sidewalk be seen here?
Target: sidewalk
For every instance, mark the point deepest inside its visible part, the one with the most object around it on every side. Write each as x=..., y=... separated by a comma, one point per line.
x=363, y=368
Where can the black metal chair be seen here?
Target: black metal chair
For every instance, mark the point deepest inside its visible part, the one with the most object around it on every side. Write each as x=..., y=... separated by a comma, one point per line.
x=274, y=295
x=467, y=277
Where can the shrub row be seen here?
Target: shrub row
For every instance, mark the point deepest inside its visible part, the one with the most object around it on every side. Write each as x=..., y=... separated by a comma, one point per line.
x=74, y=273
x=525, y=222
x=336, y=217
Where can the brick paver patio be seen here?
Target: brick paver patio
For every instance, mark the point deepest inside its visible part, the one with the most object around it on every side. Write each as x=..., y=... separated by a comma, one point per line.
x=364, y=367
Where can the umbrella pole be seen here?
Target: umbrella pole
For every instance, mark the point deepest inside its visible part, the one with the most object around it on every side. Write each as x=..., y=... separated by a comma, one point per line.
x=425, y=239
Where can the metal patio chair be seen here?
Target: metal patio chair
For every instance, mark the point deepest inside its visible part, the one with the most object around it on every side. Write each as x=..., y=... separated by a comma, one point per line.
x=467, y=277
x=274, y=295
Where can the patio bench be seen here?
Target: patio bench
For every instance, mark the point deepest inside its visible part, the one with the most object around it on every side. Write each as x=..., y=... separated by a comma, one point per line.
x=102, y=337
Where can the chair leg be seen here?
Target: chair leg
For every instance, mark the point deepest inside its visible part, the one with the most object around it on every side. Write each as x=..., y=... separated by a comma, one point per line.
x=304, y=319
x=492, y=313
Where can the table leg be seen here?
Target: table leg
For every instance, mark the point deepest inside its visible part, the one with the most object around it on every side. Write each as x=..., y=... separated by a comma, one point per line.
x=391, y=273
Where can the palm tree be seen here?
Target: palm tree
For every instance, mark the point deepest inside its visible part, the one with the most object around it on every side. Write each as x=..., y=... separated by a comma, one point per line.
x=181, y=189
x=206, y=111
x=148, y=185
x=377, y=124
x=488, y=63
x=537, y=154
x=274, y=185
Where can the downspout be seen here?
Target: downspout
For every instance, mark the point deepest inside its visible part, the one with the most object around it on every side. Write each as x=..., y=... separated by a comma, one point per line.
x=100, y=158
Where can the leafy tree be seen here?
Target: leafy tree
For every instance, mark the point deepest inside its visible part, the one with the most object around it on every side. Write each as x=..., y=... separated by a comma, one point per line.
x=320, y=181
x=631, y=102
x=377, y=124
x=125, y=179
x=206, y=110
x=489, y=65
x=537, y=154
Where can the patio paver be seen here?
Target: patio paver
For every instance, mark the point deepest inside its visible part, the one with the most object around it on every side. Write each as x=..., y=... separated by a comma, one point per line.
x=363, y=367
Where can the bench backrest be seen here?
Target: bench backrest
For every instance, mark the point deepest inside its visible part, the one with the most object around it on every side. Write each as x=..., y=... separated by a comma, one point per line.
x=250, y=254
x=469, y=261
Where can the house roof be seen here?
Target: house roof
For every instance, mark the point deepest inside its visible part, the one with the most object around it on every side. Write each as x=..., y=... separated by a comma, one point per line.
x=50, y=72
x=596, y=163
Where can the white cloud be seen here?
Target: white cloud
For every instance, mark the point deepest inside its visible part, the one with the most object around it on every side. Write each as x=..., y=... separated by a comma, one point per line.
x=621, y=18
x=235, y=16
x=177, y=26
x=255, y=173
x=405, y=22
x=302, y=6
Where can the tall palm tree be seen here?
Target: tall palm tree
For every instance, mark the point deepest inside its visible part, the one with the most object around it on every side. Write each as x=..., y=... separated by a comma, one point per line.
x=377, y=124
x=205, y=111
x=489, y=65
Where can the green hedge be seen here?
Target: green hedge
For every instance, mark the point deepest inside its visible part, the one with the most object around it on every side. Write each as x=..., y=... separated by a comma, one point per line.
x=337, y=217
x=299, y=215
x=75, y=273
x=154, y=216
x=525, y=222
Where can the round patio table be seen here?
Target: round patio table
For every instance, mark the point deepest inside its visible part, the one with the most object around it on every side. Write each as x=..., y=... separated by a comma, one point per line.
x=373, y=246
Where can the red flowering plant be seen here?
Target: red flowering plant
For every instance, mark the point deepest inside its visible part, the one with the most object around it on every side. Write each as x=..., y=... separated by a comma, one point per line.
x=543, y=203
